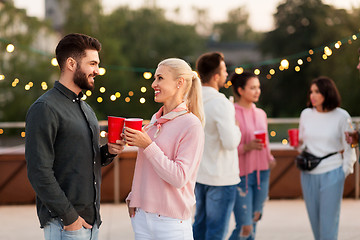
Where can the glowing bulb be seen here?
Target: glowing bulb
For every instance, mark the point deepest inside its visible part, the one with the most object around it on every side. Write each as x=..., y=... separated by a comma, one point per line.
x=99, y=99
x=1, y=131
x=10, y=48
x=327, y=51
x=239, y=70
x=284, y=63
x=54, y=62
x=117, y=94
x=300, y=62
x=273, y=133
x=297, y=68
x=142, y=100
x=272, y=71
x=257, y=71
x=88, y=93
x=324, y=56
x=131, y=93
x=284, y=141
x=143, y=89
x=84, y=97
x=31, y=84
x=113, y=97
x=354, y=37
x=2, y=77
x=22, y=134
x=102, y=134
x=16, y=80
x=147, y=75
x=27, y=87
x=127, y=99
x=102, y=89
x=102, y=71
x=311, y=52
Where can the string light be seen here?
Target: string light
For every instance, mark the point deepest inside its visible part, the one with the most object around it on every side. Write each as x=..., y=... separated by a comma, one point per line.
x=143, y=89
x=102, y=71
x=131, y=93
x=297, y=69
x=102, y=89
x=257, y=72
x=147, y=75
x=142, y=100
x=54, y=62
x=2, y=77
x=117, y=95
x=272, y=71
x=300, y=62
x=113, y=97
x=284, y=141
x=102, y=134
x=1, y=131
x=239, y=70
x=10, y=48
x=127, y=99
x=273, y=133
x=99, y=99
x=22, y=134
x=284, y=64
x=84, y=97
x=88, y=93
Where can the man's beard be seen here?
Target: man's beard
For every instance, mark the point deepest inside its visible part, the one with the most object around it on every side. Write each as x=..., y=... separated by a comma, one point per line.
x=81, y=80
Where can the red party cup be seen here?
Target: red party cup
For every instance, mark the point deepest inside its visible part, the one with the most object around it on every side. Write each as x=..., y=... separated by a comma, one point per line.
x=134, y=123
x=293, y=137
x=115, y=128
x=261, y=134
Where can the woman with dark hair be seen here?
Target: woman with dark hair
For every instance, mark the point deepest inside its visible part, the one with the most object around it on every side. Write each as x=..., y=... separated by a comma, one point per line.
x=321, y=132
x=254, y=157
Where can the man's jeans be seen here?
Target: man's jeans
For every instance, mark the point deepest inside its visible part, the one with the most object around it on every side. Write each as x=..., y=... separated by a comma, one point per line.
x=214, y=205
x=54, y=230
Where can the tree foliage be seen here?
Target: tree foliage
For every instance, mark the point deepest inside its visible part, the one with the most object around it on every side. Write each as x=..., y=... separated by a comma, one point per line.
x=301, y=26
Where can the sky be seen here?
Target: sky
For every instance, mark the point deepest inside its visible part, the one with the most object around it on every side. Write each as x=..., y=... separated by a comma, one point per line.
x=260, y=11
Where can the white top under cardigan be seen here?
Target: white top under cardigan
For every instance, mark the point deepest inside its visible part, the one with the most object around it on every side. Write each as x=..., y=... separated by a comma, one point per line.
x=219, y=165
x=323, y=133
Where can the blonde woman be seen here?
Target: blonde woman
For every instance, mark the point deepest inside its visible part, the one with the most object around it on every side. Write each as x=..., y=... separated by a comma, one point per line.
x=170, y=149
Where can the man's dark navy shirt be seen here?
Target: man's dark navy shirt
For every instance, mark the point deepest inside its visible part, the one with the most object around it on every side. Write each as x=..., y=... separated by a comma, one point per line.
x=64, y=157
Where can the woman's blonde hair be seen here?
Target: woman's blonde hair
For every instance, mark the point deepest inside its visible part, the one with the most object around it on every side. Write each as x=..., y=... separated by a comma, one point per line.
x=193, y=94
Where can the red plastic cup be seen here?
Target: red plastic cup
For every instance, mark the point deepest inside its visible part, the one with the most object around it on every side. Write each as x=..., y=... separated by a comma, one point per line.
x=115, y=128
x=261, y=134
x=293, y=137
x=134, y=123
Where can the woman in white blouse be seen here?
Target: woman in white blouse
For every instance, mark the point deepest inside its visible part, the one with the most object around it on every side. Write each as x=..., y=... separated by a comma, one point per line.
x=322, y=131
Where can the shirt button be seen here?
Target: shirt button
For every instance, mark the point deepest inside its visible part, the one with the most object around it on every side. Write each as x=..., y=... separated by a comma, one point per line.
x=94, y=162
x=73, y=100
x=95, y=183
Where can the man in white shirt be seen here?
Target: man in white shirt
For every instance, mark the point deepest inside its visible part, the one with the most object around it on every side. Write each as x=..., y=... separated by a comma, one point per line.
x=218, y=174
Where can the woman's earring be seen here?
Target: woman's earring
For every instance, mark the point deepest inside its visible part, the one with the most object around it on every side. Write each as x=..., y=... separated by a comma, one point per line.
x=178, y=86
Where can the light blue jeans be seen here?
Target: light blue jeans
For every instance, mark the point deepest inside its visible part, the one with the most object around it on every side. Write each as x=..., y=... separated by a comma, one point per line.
x=54, y=230
x=323, y=194
x=214, y=205
x=247, y=203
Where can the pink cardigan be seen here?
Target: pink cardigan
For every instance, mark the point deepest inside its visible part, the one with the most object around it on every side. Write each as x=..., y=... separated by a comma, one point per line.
x=251, y=120
x=165, y=172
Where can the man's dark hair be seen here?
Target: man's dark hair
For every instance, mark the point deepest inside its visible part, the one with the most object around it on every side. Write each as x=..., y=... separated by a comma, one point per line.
x=74, y=45
x=208, y=64
x=240, y=80
x=328, y=89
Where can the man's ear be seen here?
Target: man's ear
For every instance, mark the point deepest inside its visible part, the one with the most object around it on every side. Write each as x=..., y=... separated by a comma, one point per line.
x=71, y=64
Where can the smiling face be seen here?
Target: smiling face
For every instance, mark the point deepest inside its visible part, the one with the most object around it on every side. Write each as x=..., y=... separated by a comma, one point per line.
x=166, y=87
x=251, y=91
x=316, y=98
x=87, y=69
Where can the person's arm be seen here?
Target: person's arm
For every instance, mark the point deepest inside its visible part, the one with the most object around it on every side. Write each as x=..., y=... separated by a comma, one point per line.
x=224, y=116
x=189, y=152
x=41, y=131
x=349, y=155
